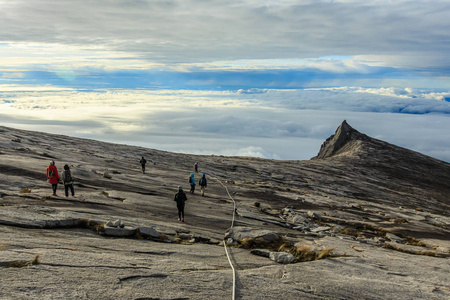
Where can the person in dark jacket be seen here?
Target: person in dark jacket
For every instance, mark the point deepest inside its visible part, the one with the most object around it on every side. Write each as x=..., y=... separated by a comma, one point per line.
x=196, y=167
x=203, y=184
x=180, y=199
x=53, y=176
x=143, y=161
x=68, y=181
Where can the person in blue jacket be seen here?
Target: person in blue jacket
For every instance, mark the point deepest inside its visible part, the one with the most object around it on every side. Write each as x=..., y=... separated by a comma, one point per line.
x=192, y=183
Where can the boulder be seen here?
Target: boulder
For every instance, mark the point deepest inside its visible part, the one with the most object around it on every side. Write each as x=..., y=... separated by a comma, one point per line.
x=261, y=252
x=313, y=215
x=295, y=220
x=116, y=223
x=119, y=232
x=150, y=232
x=321, y=229
x=106, y=174
x=168, y=231
x=379, y=240
x=395, y=238
x=213, y=241
x=185, y=236
x=282, y=257
x=231, y=242
x=436, y=222
x=201, y=239
x=302, y=227
x=239, y=233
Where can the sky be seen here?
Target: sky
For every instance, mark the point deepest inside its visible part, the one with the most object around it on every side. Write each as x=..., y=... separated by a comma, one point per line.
x=261, y=78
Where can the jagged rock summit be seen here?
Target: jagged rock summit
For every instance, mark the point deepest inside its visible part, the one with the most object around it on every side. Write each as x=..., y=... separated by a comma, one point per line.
x=345, y=140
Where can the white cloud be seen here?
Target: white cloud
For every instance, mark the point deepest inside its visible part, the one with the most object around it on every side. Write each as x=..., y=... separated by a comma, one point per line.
x=57, y=57
x=410, y=33
x=325, y=64
x=281, y=124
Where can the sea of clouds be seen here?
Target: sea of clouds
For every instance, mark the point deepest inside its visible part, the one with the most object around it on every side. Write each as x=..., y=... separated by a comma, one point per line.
x=277, y=124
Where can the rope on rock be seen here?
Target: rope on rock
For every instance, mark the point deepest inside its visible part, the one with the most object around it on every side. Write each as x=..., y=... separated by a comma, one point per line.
x=225, y=243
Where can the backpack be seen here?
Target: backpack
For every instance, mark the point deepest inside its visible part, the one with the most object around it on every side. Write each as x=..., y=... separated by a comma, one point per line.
x=178, y=197
x=67, y=176
x=202, y=181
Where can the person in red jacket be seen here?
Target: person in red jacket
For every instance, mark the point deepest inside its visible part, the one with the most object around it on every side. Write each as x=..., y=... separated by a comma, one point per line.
x=53, y=176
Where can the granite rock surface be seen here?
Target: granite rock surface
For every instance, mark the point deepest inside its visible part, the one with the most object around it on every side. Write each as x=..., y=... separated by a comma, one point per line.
x=382, y=209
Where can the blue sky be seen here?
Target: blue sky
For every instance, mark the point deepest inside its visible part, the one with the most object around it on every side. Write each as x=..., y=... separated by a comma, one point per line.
x=300, y=66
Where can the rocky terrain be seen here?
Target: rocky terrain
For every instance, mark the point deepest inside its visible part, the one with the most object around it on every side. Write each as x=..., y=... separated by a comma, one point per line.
x=364, y=219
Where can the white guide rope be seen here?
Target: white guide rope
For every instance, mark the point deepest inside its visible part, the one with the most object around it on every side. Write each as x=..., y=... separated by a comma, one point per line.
x=224, y=242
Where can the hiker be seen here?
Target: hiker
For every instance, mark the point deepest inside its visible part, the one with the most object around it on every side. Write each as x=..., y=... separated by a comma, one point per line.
x=203, y=184
x=196, y=167
x=53, y=176
x=180, y=199
x=143, y=162
x=192, y=182
x=68, y=181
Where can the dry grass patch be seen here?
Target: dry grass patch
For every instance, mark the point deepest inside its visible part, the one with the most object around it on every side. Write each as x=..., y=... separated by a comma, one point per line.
x=399, y=221
x=19, y=264
x=427, y=253
x=350, y=231
x=325, y=253
x=26, y=191
x=305, y=253
x=254, y=243
x=24, y=263
x=414, y=242
x=36, y=260
x=99, y=227
x=401, y=249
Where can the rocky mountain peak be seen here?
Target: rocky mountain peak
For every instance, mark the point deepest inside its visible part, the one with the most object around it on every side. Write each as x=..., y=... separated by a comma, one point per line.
x=339, y=142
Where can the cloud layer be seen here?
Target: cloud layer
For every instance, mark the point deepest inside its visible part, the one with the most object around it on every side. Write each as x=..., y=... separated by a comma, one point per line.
x=406, y=34
x=280, y=124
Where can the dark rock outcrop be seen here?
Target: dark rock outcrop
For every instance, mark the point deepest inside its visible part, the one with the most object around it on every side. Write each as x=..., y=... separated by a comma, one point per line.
x=345, y=140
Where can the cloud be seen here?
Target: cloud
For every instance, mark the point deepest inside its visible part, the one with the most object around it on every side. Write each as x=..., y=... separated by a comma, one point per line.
x=402, y=34
x=280, y=124
x=12, y=75
x=233, y=44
